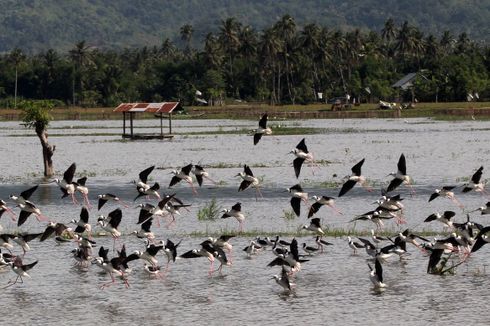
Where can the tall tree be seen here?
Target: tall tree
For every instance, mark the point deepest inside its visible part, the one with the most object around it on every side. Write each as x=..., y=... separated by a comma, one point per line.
x=186, y=32
x=230, y=42
x=16, y=57
x=36, y=115
x=79, y=55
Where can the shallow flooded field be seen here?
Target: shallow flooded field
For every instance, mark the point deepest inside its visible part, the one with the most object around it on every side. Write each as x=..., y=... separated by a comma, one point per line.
x=332, y=287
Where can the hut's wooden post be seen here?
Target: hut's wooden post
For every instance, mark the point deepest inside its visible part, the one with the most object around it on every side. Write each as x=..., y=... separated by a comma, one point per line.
x=124, y=124
x=170, y=122
x=161, y=124
x=131, y=114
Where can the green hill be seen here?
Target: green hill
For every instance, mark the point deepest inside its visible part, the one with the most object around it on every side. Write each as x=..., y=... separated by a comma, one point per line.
x=34, y=25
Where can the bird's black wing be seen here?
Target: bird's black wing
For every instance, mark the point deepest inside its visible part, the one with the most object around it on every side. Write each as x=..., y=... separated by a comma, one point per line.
x=348, y=185
x=174, y=181
x=244, y=185
x=402, y=165
x=187, y=169
x=237, y=207
x=257, y=138
x=294, y=249
x=190, y=254
x=47, y=232
x=84, y=215
x=302, y=146
x=477, y=175
x=314, y=208
x=394, y=184
x=263, y=121
x=434, y=259
x=433, y=196
x=82, y=181
x=115, y=217
x=103, y=253
x=23, y=217
x=296, y=205
x=101, y=203
x=153, y=249
x=297, y=163
x=69, y=173
x=379, y=270
x=199, y=179
x=316, y=222
x=26, y=194
x=145, y=173
x=145, y=226
x=27, y=267
x=356, y=169
x=247, y=170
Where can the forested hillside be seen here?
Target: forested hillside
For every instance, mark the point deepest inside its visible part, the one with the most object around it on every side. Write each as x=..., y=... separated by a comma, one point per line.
x=35, y=25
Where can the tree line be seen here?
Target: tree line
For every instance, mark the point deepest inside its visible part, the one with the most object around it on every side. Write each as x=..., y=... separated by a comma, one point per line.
x=281, y=64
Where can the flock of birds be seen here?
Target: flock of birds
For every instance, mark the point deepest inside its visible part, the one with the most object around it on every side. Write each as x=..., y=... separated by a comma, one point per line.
x=463, y=239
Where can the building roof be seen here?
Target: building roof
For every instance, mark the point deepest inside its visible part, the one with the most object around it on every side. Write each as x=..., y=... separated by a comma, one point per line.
x=163, y=107
x=406, y=81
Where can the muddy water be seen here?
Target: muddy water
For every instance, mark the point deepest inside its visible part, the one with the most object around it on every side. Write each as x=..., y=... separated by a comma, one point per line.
x=332, y=287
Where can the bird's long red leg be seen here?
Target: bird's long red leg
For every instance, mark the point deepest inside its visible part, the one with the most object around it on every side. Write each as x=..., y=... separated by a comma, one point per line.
x=124, y=203
x=41, y=218
x=12, y=214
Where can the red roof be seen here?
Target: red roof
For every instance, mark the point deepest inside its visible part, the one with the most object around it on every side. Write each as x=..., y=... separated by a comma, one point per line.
x=164, y=107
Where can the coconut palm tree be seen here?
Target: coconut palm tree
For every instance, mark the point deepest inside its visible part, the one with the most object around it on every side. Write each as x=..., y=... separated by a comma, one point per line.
x=16, y=57
x=186, y=32
x=79, y=55
x=230, y=43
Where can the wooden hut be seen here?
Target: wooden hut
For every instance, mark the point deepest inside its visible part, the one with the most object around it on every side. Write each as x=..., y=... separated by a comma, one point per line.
x=160, y=110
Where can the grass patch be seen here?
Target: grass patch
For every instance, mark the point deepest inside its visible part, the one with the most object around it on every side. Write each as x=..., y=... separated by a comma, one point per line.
x=289, y=215
x=210, y=212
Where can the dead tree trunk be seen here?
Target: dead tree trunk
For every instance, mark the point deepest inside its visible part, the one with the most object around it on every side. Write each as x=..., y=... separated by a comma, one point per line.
x=48, y=151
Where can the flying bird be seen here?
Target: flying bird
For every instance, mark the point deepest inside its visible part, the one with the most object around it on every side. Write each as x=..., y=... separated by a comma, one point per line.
x=356, y=177
x=261, y=130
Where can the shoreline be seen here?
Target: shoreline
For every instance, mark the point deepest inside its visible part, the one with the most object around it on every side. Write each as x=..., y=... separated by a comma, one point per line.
x=441, y=111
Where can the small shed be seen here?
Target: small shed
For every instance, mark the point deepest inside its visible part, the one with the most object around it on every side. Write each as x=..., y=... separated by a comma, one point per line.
x=158, y=109
x=406, y=81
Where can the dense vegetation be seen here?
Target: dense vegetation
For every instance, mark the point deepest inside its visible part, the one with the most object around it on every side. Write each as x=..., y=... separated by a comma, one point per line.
x=283, y=63
x=38, y=25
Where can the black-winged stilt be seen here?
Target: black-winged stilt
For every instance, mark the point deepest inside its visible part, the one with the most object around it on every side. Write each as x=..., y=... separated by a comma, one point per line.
x=444, y=218
x=111, y=223
x=376, y=275
x=183, y=174
x=483, y=209
x=201, y=174
x=81, y=187
x=446, y=192
x=142, y=186
x=321, y=201
x=236, y=212
x=356, y=177
x=302, y=155
x=145, y=231
x=20, y=269
x=354, y=245
x=150, y=253
x=26, y=210
x=321, y=243
x=400, y=176
x=261, y=130
x=22, y=240
x=83, y=226
x=481, y=239
x=115, y=266
x=66, y=184
x=206, y=250
x=249, y=181
x=283, y=280
x=104, y=198
x=475, y=183
x=314, y=226
x=59, y=229
x=298, y=195
x=170, y=250
x=24, y=196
